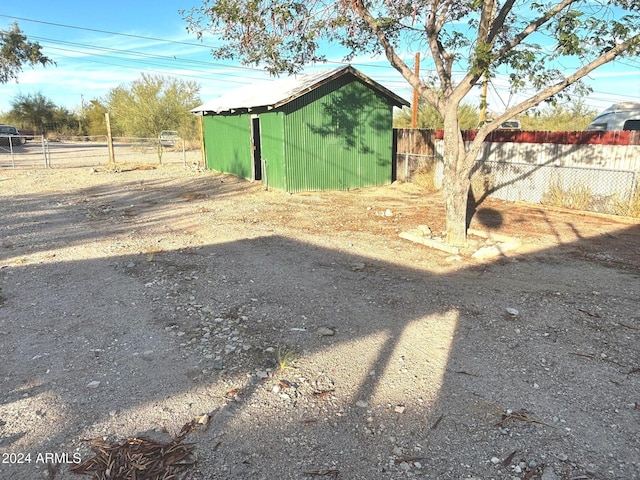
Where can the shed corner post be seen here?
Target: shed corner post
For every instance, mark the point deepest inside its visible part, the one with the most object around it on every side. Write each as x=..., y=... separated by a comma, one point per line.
x=203, y=155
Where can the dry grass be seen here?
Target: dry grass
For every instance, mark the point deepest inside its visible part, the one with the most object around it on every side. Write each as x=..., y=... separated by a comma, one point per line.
x=626, y=206
x=425, y=176
x=577, y=197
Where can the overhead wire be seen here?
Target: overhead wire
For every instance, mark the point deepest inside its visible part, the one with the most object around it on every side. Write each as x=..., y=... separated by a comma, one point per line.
x=158, y=62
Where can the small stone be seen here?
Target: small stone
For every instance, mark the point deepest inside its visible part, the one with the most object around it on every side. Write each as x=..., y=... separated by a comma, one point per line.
x=425, y=230
x=487, y=252
x=93, y=384
x=362, y=404
x=388, y=213
x=276, y=389
x=229, y=348
x=262, y=374
x=548, y=474
x=495, y=460
x=325, y=331
x=218, y=366
x=512, y=311
x=357, y=266
x=399, y=408
x=397, y=451
x=405, y=466
x=418, y=465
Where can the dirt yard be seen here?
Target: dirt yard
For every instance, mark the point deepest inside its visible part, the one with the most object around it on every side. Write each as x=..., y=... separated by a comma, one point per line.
x=299, y=337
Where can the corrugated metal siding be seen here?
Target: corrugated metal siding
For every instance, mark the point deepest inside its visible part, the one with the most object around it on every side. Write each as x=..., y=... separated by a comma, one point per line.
x=338, y=137
x=227, y=142
x=271, y=139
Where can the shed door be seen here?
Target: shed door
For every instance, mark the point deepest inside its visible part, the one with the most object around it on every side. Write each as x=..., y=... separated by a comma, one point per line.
x=257, y=150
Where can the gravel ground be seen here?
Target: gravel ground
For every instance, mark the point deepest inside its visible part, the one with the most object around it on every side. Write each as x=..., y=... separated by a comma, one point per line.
x=304, y=338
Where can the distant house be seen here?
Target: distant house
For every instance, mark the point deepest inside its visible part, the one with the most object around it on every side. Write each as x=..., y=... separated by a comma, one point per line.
x=324, y=131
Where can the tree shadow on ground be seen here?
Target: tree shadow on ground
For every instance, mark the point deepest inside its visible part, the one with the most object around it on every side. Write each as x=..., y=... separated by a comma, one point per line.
x=413, y=382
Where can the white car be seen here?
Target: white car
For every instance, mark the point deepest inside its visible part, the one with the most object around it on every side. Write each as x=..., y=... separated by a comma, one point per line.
x=621, y=116
x=168, y=138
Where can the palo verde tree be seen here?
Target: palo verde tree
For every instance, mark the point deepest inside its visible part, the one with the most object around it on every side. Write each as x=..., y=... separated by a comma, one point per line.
x=543, y=46
x=15, y=51
x=93, y=118
x=153, y=103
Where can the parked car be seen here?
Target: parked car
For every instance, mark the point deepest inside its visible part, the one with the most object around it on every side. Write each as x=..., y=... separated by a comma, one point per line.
x=510, y=125
x=27, y=134
x=168, y=138
x=620, y=116
x=10, y=134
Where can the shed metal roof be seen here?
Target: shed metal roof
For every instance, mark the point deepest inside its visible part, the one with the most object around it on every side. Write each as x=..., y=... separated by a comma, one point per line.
x=280, y=92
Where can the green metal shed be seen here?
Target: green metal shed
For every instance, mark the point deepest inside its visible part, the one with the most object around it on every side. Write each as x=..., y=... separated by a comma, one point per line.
x=325, y=131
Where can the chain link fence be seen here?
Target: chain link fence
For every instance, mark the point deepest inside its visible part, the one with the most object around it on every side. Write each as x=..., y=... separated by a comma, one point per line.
x=583, y=188
x=66, y=152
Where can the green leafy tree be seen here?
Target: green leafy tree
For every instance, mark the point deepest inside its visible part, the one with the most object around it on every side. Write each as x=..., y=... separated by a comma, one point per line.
x=151, y=104
x=15, y=51
x=34, y=110
x=542, y=46
x=64, y=122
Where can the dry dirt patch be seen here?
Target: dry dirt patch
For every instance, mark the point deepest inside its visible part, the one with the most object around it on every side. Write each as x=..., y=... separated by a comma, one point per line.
x=313, y=338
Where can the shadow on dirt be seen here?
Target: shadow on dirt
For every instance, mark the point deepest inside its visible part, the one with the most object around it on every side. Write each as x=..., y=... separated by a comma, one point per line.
x=78, y=216
x=416, y=379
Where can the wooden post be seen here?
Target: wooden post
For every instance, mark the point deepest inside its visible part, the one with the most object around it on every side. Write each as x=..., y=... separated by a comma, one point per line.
x=112, y=156
x=416, y=101
x=202, y=152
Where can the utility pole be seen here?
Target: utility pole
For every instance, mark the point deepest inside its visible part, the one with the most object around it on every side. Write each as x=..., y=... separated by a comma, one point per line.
x=416, y=101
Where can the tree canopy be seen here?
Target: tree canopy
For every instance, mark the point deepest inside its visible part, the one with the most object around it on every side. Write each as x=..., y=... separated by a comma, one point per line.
x=151, y=104
x=15, y=51
x=35, y=110
x=543, y=47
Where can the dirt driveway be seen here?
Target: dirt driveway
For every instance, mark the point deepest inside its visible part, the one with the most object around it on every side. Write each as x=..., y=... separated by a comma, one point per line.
x=304, y=338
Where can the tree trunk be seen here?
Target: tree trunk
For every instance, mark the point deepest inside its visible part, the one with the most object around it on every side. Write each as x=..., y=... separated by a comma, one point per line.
x=456, y=180
x=456, y=193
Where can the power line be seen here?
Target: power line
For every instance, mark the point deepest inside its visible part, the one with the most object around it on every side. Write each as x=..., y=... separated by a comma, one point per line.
x=130, y=35
x=162, y=59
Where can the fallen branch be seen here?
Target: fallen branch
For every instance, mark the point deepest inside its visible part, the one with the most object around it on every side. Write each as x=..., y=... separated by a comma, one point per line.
x=521, y=415
x=329, y=472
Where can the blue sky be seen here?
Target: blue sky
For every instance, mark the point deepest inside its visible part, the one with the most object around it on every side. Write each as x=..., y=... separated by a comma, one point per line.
x=150, y=37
